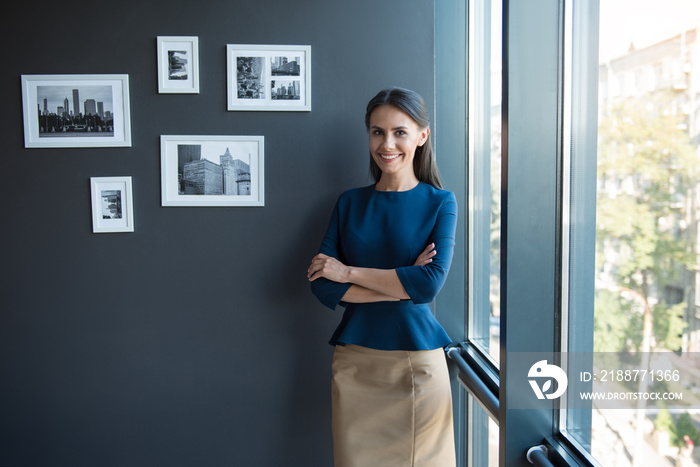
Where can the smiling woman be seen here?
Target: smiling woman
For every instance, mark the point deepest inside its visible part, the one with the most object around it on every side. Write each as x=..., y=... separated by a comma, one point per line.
x=385, y=257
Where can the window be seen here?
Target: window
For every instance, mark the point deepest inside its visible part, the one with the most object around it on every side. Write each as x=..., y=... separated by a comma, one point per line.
x=516, y=194
x=644, y=278
x=483, y=437
x=484, y=212
x=484, y=175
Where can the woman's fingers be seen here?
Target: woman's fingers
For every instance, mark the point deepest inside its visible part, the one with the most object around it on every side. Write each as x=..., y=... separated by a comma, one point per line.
x=426, y=256
x=316, y=264
x=326, y=266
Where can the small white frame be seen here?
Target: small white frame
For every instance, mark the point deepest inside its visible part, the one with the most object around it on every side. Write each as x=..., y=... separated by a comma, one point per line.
x=112, y=204
x=269, y=77
x=178, y=64
x=242, y=179
x=47, y=123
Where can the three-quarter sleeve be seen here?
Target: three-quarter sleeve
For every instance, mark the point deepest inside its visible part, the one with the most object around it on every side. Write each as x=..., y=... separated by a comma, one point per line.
x=328, y=292
x=422, y=283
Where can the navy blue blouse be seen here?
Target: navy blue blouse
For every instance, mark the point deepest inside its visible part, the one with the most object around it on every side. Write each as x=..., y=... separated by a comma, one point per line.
x=388, y=230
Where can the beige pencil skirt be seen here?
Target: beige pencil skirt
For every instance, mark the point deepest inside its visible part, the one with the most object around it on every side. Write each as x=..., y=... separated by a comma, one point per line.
x=391, y=408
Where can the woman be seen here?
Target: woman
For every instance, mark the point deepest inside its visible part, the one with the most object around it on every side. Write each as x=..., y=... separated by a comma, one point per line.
x=385, y=256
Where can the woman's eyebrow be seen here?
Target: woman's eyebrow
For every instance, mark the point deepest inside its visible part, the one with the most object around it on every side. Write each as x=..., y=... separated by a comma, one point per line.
x=375, y=127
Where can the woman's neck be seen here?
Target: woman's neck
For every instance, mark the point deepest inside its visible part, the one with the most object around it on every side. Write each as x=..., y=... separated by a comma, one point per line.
x=390, y=183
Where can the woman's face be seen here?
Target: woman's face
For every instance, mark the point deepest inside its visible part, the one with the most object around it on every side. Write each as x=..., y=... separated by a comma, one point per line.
x=393, y=139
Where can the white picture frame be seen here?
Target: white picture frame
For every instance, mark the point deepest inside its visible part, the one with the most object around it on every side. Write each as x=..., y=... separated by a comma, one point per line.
x=112, y=204
x=268, y=77
x=102, y=119
x=178, y=64
x=224, y=171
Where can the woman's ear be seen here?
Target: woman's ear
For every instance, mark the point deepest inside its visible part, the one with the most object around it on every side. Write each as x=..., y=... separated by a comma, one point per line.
x=424, y=136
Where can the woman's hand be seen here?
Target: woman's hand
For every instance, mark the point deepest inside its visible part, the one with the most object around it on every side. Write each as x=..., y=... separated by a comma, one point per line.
x=427, y=256
x=328, y=267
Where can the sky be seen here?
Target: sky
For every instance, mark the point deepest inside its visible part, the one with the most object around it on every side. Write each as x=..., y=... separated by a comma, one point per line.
x=643, y=22
x=239, y=150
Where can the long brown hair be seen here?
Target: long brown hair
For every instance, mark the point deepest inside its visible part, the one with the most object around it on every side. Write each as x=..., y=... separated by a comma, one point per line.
x=413, y=105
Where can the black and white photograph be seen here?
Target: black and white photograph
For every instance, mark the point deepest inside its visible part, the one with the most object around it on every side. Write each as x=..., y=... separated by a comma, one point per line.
x=212, y=170
x=285, y=89
x=76, y=110
x=178, y=64
x=250, y=77
x=112, y=204
x=269, y=77
x=285, y=66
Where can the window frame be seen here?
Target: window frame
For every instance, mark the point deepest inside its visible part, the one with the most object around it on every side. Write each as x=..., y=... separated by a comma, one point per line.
x=542, y=79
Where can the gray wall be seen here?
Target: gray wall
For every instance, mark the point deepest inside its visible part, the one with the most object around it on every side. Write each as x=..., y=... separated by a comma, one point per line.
x=195, y=339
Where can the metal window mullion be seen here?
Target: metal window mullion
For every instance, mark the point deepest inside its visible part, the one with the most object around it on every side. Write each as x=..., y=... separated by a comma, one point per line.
x=531, y=148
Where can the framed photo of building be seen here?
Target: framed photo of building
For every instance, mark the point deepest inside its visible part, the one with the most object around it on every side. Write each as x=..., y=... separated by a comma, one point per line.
x=71, y=111
x=269, y=77
x=212, y=170
x=178, y=64
x=112, y=204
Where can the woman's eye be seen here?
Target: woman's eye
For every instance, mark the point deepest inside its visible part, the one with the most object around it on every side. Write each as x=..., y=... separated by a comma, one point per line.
x=400, y=133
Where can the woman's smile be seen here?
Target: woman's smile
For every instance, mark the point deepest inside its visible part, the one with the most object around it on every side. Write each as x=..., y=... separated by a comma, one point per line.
x=389, y=157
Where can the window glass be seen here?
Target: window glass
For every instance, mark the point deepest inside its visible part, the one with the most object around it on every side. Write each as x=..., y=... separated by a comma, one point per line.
x=495, y=161
x=483, y=437
x=485, y=61
x=646, y=327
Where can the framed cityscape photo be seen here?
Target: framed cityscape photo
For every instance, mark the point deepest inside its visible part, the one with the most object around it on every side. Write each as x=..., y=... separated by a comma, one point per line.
x=178, y=64
x=269, y=77
x=112, y=204
x=72, y=111
x=212, y=170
